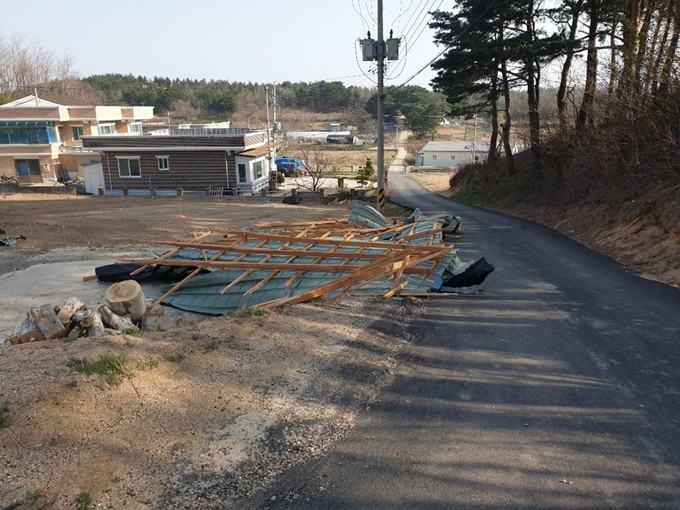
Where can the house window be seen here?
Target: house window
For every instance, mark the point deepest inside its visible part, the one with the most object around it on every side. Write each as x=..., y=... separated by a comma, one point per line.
x=242, y=175
x=26, y=167
x=453, y=156
x=163, y=163
x=77, y=132
x=128, y=168
x=62, y=136
x=135, y=127
x=434, y=157
x=106, y=129
x=257, y=168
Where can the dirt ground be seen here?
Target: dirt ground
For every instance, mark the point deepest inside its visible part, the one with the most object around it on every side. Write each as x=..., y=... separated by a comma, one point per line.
x=200, y=415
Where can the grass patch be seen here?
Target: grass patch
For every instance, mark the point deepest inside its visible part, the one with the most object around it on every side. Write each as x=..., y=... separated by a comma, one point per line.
x=470, y=196
x=109, y=366
x=149, y=363
x=84, y=501
x=5, y=419
x=392, y=209
x=31, y=496
x=178, y=357
x=250, y=311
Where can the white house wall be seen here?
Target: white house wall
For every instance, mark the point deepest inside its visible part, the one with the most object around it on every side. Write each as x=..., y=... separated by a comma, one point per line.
x=452, y=159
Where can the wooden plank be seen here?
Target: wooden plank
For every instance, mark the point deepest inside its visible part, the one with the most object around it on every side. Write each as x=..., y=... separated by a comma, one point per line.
x=269, y=277
x=284, y=250
x=171, y=253
x=242, y=276
x=395, y=290
x=340, y=242
x=368, y=273
x=277, y=224
x=292, y=279
x=186, y=280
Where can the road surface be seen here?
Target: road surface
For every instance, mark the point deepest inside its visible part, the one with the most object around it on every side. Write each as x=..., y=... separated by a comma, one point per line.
x=557, y=387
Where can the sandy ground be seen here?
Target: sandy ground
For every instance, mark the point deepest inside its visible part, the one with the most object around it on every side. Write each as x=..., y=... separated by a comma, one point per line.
x=204, y=413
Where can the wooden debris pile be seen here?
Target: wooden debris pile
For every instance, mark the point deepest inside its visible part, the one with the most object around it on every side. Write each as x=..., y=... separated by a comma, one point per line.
x=275, y=264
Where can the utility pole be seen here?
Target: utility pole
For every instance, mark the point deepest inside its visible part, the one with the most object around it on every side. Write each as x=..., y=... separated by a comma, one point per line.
x=474, y=143
x=381, y=108
x=378, y=51
x=271, y=175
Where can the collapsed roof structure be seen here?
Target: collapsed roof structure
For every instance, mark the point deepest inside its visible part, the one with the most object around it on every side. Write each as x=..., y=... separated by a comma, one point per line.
x=275, y=264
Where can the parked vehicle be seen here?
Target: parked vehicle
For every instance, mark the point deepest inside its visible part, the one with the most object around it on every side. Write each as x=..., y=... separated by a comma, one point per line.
x=291, y=167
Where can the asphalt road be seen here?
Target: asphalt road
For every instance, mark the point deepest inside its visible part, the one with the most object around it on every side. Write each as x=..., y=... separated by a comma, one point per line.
x=558, y=387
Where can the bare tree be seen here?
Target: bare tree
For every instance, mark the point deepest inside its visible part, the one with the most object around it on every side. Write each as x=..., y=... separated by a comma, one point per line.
x=319, y=166
x=26, y=66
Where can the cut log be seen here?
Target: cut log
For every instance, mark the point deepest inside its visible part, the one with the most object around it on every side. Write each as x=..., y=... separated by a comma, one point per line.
x=29, y=331
x=48, y=322
x=80, y=316
x=126, y=298
x=87, y=321
x=72, y=305
x=96, y=327
x=76, y=332
x=13, y=338
x=114, y=320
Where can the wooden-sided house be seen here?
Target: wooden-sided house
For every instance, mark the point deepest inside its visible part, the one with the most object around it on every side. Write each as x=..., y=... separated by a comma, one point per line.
x=187, y=159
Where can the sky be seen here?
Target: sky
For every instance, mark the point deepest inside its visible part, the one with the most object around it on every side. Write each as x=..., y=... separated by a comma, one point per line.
x=262, y=41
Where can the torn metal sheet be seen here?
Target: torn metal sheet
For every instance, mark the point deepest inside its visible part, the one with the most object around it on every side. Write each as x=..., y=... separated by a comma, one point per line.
x=274, y=264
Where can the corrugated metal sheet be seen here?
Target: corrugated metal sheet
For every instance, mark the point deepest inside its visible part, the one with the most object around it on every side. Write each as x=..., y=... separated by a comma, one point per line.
x=276, y=264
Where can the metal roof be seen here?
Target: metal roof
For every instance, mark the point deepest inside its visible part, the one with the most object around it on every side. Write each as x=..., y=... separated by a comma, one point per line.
x=279, y=263
x=455, y=146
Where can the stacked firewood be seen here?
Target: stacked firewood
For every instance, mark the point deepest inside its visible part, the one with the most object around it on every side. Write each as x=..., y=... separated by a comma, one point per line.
x=123, y=311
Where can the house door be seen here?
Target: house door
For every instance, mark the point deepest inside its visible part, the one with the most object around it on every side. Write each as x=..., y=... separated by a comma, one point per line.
x=28, y=170
x=93, y=175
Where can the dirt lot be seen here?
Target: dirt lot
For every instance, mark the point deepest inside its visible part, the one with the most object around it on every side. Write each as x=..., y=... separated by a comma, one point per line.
x=197, y=416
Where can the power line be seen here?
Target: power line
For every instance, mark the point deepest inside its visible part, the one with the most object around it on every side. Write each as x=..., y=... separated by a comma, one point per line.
x=364, y=22
x=419, y=19
x=463, y=31
x=407, y=24
x=412, y=44
x=401, y=13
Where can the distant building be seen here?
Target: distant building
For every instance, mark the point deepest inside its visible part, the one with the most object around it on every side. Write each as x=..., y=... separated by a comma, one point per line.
x=191, y=159
x=40, y=137
x=452, y=154
x=321, y=137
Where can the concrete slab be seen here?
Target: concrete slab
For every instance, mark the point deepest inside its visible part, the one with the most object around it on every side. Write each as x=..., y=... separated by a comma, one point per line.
x=53, y=283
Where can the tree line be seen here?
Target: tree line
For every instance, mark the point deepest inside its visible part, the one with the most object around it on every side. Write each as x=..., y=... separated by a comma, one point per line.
x=630, y=72
x=26, y=68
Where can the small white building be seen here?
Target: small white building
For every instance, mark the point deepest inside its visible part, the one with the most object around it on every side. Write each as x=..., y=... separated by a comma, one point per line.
x=456, y=153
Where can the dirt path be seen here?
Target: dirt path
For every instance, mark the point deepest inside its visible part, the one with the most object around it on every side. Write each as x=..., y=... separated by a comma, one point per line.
x=199, y=415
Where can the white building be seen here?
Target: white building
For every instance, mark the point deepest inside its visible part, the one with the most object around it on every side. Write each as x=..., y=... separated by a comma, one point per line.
x=452, y=154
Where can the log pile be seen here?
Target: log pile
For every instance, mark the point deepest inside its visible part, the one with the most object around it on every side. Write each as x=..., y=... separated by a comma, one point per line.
x=74, y=319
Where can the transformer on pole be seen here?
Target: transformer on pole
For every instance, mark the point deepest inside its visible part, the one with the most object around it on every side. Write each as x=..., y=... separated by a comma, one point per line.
x=379, y=50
